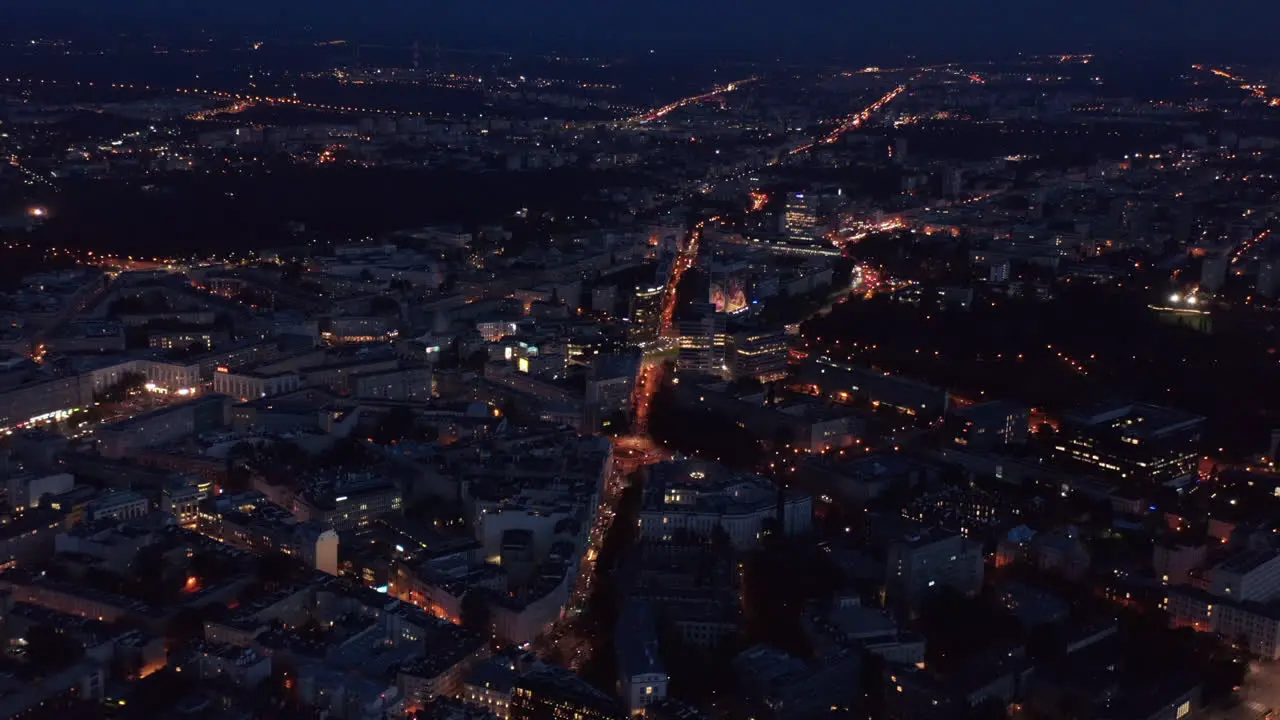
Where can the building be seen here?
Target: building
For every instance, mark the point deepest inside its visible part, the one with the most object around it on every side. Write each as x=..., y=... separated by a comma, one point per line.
x=610, y=387
x=1213, y=273
x=70, y=688
x=251, y=386
x=857, y=479
x=490, y=686
x=350, y=503
x=406, y=384
x=693, y=498
x=694, y=583
x=642, y=679
x=163, y=426
x=42, y=399
x=26, y=490
x=759, y=354
x=245, y=667
x=121, y=505
x=555, y=694
x=1238, y=604
x=182, y=499
x=1132, y=442
x=989, y=426
x=360, y=329
x=29, y=538
x=873, y=630
x=1268, y=282
x=847, y=383
x=183, y=339
x=926, y=558
x=703, y=340
x=646, y=313
x=802, y=217
x=784, y=687
x=249, y=521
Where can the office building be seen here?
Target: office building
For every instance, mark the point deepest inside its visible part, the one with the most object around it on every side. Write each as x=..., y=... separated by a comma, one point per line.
x=646, y=313
x=802, y=217
x=759, y=354
x=1132, y=442
x=988, y=426
x=703, y=340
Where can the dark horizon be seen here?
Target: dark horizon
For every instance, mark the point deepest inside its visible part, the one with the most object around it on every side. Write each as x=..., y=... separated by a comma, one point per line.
x=746, y=29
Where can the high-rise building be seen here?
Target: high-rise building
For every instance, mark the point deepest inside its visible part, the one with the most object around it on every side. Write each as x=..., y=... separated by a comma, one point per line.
x=998, y=272
x=646, y=313
x=802, y=217
x=703, y=340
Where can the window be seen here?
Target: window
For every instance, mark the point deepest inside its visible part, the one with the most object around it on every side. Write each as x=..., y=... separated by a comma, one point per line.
x=648, y=690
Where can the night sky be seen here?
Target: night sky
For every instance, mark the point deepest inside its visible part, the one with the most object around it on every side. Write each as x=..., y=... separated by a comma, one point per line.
x=746, y=28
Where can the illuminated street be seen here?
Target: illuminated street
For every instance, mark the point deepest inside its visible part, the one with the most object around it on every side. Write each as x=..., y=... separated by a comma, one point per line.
x=854, y=121
x=669, y=108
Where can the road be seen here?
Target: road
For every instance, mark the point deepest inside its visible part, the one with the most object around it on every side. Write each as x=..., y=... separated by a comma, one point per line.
x=658, y=113
x=1261, y=691
x=221, y=95
x=570, y=638
x=1258, y=91
x=854, y=121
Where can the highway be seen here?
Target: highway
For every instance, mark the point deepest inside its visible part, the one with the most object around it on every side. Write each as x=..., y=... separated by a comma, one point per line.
x=854, y=121
x=235, y=98
x=1258, y=91
x=669, y=108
